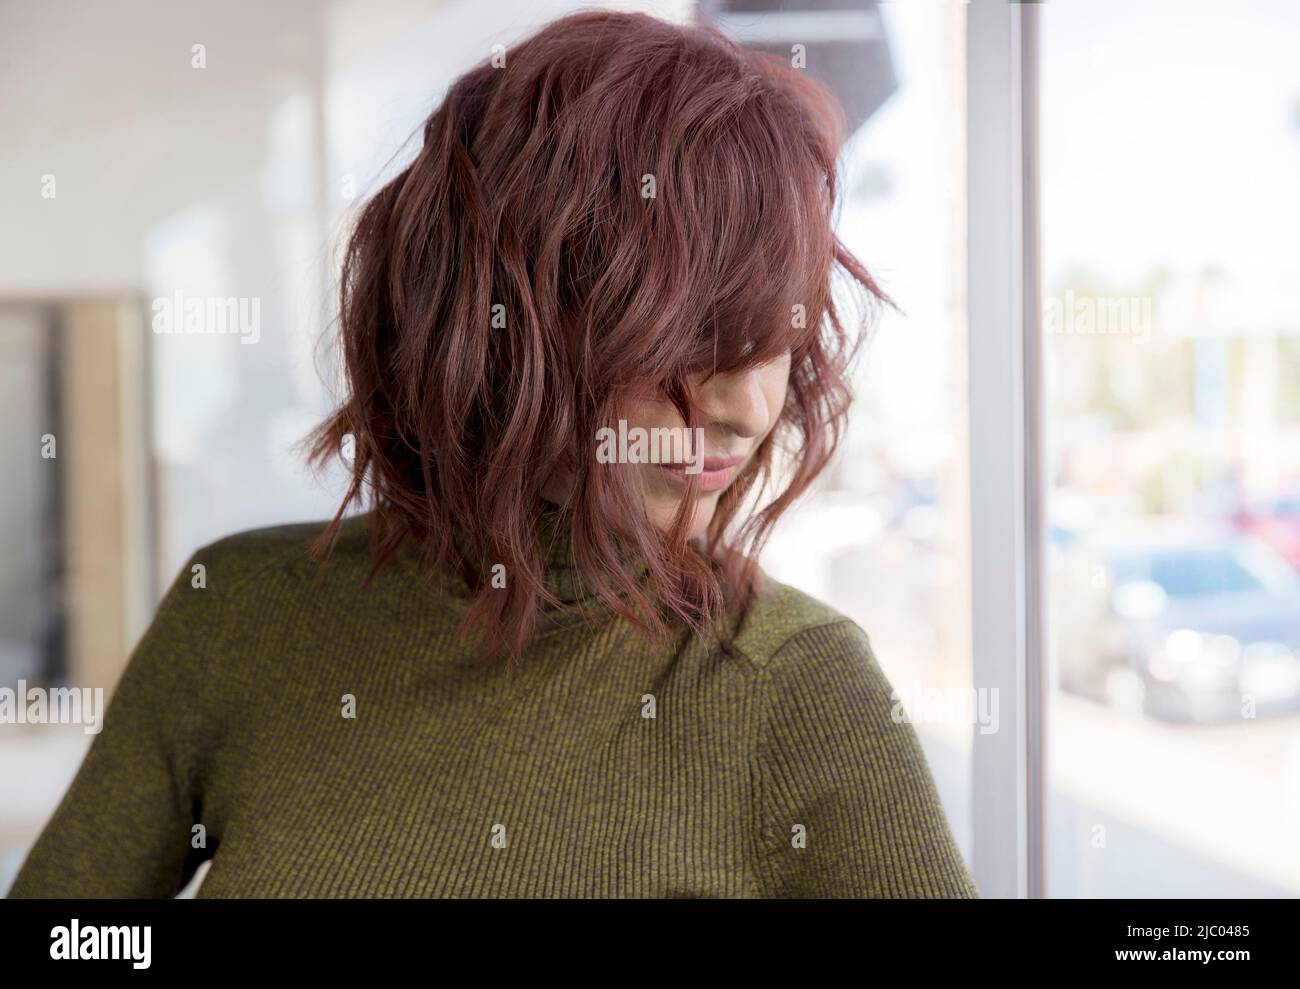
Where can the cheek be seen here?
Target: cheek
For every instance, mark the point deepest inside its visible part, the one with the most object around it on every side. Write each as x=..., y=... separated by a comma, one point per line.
x=650, y=412
x=776, y=385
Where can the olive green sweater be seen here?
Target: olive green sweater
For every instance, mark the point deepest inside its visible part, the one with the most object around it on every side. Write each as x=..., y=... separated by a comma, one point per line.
x=316, y=740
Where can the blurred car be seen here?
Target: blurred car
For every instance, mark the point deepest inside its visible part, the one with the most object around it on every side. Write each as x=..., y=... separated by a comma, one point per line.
x=1201, y=627
x=1276, y=523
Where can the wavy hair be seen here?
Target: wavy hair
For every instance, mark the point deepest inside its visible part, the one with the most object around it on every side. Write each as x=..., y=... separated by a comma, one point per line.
x=621, y=204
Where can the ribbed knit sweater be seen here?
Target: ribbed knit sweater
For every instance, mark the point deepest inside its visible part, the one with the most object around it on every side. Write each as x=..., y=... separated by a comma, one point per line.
x=608, y=766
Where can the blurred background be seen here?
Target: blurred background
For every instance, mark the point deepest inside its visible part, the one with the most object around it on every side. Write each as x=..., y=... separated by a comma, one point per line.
x=155, y=152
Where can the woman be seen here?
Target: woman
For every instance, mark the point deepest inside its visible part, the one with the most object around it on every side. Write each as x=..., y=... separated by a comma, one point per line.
x=595, y=341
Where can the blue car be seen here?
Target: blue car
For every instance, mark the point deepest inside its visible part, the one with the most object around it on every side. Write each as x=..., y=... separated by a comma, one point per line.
x=1202, y=628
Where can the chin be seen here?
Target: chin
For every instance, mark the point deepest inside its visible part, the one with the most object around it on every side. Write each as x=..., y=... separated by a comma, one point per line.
x=663, y=515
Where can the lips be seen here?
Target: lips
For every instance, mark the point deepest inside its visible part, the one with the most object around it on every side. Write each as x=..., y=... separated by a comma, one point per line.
x=718, y=472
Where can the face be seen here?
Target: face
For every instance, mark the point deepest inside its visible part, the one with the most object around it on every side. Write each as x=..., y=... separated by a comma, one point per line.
x=735, y=413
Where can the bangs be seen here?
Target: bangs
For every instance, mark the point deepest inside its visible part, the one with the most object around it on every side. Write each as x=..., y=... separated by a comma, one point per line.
x=764, y=247
x=729, y=264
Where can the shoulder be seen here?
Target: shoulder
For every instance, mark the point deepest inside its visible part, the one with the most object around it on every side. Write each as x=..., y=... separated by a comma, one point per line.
x=782, y=620
x=838, y=763
x=276, y=552
x=808, y=654
x=251, y=573
x=277, y=547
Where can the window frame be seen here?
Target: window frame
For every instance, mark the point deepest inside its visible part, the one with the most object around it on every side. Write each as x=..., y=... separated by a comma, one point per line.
x=1007, y=451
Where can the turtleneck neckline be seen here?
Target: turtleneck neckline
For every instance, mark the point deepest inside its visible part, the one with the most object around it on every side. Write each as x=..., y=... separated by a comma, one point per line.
x=560, y=572
x=578, y=599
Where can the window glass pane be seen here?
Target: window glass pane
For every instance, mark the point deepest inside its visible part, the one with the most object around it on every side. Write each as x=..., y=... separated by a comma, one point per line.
x=1171, y=147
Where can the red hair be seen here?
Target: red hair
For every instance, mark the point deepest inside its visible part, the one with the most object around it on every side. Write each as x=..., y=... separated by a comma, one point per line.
x=638, y=204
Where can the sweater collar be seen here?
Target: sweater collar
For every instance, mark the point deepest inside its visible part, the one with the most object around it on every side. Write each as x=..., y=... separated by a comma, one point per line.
x=560, y=572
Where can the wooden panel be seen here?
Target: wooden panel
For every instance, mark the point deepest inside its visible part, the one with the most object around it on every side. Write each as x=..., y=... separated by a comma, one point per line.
x=103, y=451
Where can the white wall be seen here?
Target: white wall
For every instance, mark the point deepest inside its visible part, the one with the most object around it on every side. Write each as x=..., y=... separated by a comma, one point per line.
x=227, y=181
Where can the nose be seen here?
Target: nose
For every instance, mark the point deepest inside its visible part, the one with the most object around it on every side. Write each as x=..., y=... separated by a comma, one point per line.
x=735, y=402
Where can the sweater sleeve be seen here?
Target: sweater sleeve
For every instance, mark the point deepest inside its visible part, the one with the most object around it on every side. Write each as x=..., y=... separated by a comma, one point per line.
x=123, y=828
x=847, y=803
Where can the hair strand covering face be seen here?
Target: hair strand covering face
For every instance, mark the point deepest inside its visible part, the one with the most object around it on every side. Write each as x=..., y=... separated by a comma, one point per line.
x=529, y=194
